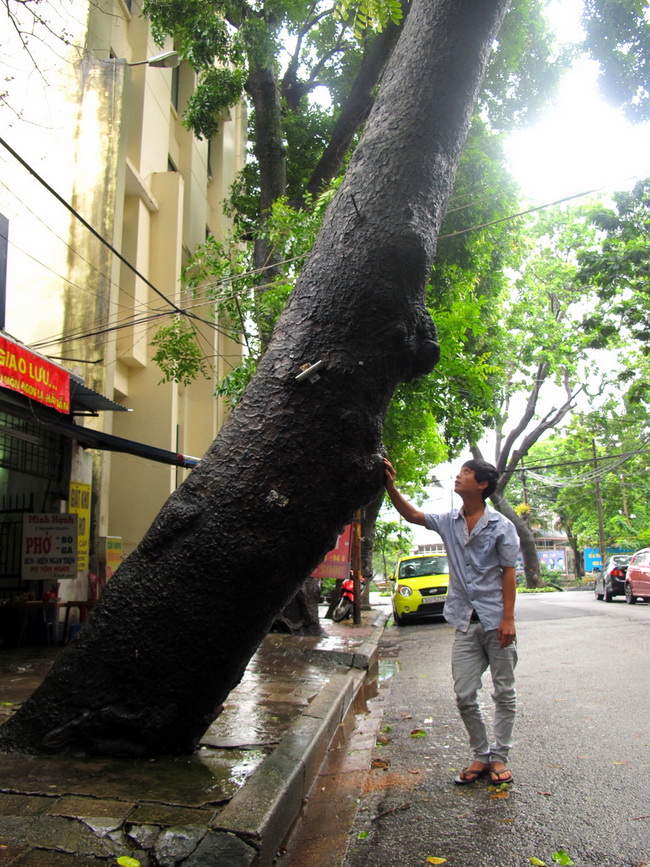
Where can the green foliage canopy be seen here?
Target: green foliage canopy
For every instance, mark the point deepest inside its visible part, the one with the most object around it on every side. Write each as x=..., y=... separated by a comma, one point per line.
x=561, y=484
x=618, y=268
x=392, y=539
x=618, y=37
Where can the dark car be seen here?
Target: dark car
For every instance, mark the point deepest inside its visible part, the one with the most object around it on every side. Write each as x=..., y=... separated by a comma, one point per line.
x=611, y=581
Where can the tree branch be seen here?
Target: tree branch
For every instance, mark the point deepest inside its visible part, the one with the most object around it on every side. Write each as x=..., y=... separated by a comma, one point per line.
x=529, y=412
x=357, y=107
x=550, y=421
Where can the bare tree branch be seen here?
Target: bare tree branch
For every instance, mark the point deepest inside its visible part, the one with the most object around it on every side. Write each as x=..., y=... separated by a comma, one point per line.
x=540, y=377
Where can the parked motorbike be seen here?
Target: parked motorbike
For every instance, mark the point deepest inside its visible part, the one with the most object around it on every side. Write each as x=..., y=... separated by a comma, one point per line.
x=345, y=606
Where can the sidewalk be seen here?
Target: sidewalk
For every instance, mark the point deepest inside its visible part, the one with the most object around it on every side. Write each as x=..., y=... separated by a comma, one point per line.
x=233, y=802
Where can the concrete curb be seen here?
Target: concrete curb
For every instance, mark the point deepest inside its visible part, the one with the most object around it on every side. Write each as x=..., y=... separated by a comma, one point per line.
x=264, y=809
x=366, y=655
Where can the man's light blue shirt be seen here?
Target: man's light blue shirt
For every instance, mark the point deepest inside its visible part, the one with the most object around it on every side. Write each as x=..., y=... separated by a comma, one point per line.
x=476, y=564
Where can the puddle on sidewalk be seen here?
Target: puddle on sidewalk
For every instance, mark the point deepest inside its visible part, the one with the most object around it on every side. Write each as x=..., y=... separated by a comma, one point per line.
x=208, y=777
x=282, y=678
x=386, y=669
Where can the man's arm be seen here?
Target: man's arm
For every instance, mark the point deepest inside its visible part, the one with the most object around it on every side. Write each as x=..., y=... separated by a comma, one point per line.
x=507, y=631
x=406, y=510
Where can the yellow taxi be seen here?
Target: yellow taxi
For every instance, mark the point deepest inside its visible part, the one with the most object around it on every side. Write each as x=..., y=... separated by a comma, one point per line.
x=419, y=586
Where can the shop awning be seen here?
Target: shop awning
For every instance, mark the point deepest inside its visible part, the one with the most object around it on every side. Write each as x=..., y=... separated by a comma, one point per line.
x=87, y=437
x=94, y=439
x=85, y=400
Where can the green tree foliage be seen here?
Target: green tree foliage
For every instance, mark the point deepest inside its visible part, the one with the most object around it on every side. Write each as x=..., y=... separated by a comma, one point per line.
x=543, y=352
x=618, y=36
x=177, y=352
x=311, y=45
x=542, y=343
x=618, y=268
x=392, y=539
x=561, y=481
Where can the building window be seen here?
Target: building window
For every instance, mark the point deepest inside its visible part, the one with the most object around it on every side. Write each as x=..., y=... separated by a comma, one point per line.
x=176, y=86
x=28, y=448
x=170, y=165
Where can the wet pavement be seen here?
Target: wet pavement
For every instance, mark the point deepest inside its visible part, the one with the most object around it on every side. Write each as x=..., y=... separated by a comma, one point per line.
x=229, y=803
x=581, y=757
x=321, y=836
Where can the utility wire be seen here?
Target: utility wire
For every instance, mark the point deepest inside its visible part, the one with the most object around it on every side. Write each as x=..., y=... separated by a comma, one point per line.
x=231, y=280
x=106, y=243
x=85, y=223
x=520, y=214
x=72, y=250
x=589, y=459
x=587, y=477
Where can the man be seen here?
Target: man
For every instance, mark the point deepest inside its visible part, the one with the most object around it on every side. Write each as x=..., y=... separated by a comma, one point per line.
x=482, y=547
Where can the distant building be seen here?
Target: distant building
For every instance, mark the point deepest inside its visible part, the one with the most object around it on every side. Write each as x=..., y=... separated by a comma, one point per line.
x=429, y=548
x=108, y=139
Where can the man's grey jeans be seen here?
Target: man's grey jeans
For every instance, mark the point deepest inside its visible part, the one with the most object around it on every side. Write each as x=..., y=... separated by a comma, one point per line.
x=471, y=654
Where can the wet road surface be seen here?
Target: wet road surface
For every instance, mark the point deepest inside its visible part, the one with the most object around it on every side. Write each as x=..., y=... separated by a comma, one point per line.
x=581, y=760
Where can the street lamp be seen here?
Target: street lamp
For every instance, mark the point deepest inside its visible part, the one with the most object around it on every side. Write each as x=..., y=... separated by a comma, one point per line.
x=166, y=60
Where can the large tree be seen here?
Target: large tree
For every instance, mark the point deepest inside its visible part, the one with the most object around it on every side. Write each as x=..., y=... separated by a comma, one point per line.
x=297, y=147
x=544, y=348
x=169, y=639
x=433, y=418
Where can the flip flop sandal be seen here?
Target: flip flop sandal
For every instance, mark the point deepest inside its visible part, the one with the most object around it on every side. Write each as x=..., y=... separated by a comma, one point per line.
x=496, y=777
x=470, y=775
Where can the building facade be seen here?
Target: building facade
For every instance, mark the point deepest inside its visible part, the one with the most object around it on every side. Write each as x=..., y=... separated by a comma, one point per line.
x=105, y=195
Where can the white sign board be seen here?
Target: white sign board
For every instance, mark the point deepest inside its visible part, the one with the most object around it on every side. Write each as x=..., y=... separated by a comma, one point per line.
x=49, y=551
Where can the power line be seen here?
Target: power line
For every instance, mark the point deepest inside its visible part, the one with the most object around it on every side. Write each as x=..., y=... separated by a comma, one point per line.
x=103, y=240
x=627, y=455
x=72, y=250
x=520, y=214
x=231, y=280
x=85, y=223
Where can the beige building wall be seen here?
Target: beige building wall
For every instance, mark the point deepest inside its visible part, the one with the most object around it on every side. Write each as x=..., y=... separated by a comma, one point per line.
x=111, y=143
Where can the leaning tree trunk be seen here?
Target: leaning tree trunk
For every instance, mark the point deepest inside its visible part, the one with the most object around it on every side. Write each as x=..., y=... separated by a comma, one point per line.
x=526, y=541
x=181, y=617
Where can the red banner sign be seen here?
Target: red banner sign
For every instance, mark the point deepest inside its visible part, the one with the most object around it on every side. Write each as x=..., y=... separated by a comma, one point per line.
x=337, y=562
x=33, y=376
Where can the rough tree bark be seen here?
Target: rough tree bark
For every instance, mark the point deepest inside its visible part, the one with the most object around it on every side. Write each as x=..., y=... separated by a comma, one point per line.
x=178, y=622
x=268, y=97
x=300, y=615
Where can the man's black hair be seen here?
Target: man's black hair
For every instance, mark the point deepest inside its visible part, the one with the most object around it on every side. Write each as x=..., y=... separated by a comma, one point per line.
x=484, y=471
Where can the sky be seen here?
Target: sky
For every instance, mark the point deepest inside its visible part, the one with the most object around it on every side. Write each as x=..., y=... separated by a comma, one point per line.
x=581, y=142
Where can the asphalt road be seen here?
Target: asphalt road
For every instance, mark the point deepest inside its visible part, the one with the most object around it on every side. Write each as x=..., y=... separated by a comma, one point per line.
x=581, y=760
